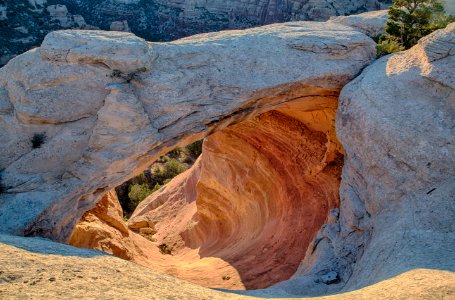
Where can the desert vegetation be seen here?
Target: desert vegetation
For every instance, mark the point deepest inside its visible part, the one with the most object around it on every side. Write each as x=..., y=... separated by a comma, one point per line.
x=409, y=21
x=38, y=140
x=132, y=192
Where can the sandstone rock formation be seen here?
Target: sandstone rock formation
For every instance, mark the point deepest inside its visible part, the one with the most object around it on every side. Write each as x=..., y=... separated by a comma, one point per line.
x=110, y=104
x=158, y=20
x=102, y=228
x=370, y=23
x=256, y=198
x=40, y=269
x=395, y=122
x=396, y=201
x=99, y=135
x=105, y=105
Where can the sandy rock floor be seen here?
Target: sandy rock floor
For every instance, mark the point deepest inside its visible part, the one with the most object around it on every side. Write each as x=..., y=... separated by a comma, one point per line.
x=34, y=268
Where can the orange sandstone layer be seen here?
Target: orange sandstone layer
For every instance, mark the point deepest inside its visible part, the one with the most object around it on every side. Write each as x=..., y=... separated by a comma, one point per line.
x=243, y=216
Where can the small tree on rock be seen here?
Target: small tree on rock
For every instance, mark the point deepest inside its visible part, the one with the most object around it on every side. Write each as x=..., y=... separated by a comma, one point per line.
x=409, y=21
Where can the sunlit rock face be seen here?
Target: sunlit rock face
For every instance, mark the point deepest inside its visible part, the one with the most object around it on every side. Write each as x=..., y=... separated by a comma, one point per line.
x=257, y=196
x=103, y=228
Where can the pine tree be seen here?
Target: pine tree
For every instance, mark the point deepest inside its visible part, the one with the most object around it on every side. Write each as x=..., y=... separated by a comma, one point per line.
x=409, y=21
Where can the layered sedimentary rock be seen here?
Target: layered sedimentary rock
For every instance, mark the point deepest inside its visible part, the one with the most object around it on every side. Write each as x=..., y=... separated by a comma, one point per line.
x=256, y=197
x=395, y=122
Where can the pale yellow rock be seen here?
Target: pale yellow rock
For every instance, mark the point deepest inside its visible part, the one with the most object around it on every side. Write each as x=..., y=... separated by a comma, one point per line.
x=70, y=273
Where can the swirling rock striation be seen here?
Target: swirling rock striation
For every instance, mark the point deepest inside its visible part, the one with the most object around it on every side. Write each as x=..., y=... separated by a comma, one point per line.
x=256, y=198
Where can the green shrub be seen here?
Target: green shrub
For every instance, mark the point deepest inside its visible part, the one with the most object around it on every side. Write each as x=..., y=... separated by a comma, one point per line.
x=140, y=179
x=38, y=140
x=132, y=192
x=156, y=187
x=387, y=46
x=164, y=159
x=176, y=152
x=173, y=168
x=169, y=170
x=195, y=149
x=137, y=193
x=409, y=21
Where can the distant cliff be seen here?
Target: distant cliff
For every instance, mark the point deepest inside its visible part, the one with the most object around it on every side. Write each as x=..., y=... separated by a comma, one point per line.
x=24, y=23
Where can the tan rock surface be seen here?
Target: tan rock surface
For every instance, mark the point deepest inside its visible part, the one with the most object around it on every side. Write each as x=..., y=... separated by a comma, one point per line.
x=102, y=228
x=102, y=126
x=385, y=226
x=371, y=23
x=39, y=269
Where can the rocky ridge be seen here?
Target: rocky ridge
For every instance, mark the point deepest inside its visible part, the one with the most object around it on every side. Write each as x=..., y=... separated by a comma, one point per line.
x=24, y=23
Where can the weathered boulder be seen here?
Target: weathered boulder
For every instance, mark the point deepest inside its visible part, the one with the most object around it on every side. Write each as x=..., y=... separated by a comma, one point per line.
x=402, y=111
x=118, y=51
x=371, y=23
x=103, y=125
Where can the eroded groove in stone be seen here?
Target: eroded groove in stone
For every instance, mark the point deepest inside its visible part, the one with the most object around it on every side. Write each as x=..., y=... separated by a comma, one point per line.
x=262, y=193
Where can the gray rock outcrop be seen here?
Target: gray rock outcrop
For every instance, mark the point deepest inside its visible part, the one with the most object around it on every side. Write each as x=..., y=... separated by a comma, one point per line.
x=371, y=23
